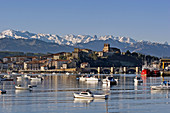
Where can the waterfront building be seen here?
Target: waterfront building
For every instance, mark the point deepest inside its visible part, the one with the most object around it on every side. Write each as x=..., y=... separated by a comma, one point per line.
x=33, y=65
x=58, y=64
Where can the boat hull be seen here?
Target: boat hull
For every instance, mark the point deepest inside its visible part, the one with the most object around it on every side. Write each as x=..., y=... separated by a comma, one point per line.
x=101, y=96
x=90, y=96
x=22, y=88
x=160, y=87
x=148, y=73
x=77, y=95
x=92, y=79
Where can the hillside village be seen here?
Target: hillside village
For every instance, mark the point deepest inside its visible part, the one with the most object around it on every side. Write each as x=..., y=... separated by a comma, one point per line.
x=79, y=58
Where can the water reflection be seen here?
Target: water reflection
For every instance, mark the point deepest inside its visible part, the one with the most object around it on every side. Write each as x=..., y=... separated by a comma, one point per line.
x=80, y=100
x=22, y=91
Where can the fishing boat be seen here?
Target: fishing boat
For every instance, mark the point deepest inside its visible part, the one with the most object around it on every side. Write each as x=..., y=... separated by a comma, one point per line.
x=145, y=72
x=90, y=95
x=2, y=91
x=19, y=87
x=155, y=73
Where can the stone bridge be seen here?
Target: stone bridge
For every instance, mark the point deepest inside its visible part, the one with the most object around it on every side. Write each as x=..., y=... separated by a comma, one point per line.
x=113, y=70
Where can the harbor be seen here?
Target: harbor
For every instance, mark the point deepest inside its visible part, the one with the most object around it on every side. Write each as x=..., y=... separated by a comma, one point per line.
x=54, y=93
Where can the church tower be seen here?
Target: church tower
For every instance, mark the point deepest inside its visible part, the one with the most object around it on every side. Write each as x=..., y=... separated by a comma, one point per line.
x=106, y=48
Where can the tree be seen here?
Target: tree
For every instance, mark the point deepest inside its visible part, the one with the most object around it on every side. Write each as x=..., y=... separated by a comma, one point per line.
x=128, y=53
x=93, y=56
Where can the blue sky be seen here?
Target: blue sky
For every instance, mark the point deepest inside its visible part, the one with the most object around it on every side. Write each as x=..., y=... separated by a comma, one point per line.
x=139, y=19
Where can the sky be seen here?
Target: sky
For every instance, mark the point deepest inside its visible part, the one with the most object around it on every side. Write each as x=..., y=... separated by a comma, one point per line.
x=147, y=20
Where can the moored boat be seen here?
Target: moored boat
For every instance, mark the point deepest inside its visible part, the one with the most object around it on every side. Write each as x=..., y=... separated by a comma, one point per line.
x=145, y=72
x=166, y=83
x=83, y=94
x=109, y=81
x=155, y=73
x=92, y=78
x=138, y=80
x=36, y=78
x=150, y=73
x=90, y=95
x=19, y=87
x=83, y=78
x=2, y=91
x=161, y=87
x=67, y=73
x=6, y=79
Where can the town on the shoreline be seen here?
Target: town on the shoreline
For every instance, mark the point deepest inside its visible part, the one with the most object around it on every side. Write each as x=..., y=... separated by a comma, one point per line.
x=80, y=60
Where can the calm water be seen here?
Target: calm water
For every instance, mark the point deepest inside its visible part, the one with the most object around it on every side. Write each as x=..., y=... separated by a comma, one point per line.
x=55, y=94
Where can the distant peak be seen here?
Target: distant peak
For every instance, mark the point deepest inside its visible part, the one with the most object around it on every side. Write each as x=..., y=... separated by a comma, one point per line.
x=8, y=30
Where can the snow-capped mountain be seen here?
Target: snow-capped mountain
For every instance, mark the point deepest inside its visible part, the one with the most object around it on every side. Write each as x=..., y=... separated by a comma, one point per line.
x=11, y=40
x=61, y=40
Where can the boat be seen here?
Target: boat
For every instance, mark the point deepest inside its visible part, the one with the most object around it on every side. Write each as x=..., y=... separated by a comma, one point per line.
x=84, y=94
x=83, y=78
x=2, y=91
x=19, y=87
x=6, y=79
x=88, y=94
x=67, y=73
x=155, y=73
x=92, y=78
x=145, y=72
x=150, y=73
x=161, y=87
x=165, y=82
x=32, y=85
x=109, y=81
x=23, y=77
x=36, y=78
x=138, y=80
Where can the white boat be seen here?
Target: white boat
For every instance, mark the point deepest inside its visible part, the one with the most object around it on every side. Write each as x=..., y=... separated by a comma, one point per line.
x=161, y=87
x=92, y=78
x=109, y=81
x=67, y=73
x=138, y=80
x=20, y=78
x=19, y=87
x=83, y=94
x=90, y=95
x=36, y=78
x=83, y=78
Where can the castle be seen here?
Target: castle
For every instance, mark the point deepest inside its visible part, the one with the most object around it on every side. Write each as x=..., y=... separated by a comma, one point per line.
x=107, y=49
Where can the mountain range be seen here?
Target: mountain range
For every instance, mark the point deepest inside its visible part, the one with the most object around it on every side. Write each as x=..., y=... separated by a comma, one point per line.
x=12, y=40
